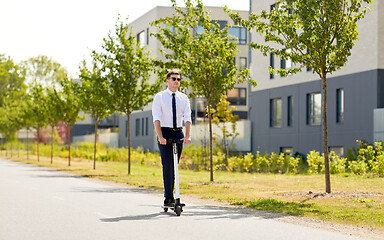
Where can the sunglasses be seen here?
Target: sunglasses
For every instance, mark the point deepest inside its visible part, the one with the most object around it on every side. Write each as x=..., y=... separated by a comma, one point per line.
x=174, y=79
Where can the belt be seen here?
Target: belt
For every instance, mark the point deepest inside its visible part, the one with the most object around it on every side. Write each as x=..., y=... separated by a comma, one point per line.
x=173, y=129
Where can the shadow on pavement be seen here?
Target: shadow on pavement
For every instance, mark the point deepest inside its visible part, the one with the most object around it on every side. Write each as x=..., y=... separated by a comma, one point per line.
x=201, y=213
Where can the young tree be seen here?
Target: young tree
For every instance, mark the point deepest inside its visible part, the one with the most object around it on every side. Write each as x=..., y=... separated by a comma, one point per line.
x=203, y=51
x=45, y=74
x=71, y=107
x=55, y=112
x=11, y=122
x=12, y=92
x=223, y=115
x=27, y=118
x=39, y=110
x=320, y=35
x=95, y=94
x=129, y=69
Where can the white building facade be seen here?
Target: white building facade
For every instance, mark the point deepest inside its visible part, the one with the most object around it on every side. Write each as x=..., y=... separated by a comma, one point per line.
x=141, y=124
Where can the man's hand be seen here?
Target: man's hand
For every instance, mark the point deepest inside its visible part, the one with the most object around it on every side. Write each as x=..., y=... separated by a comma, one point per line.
x=186, y=140
x=162, y=141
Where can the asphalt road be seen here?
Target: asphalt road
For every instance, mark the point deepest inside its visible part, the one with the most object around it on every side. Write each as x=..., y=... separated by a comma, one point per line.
x=44, y=204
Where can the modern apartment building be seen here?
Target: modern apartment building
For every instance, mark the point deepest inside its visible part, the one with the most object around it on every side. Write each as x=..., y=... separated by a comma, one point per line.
x=141, y=124
x=286, y=111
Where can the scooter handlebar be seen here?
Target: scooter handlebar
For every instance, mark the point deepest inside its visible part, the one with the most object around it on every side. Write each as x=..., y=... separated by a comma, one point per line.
x=170, y=141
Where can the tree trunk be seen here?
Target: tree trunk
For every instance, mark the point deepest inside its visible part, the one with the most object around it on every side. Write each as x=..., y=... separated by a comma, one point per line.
x=18, y=146
x=53, y=128
x=225, y=147
x=27, y=144
x=325, y=135
x=210, y=139
x=5, y=146
x=11, y=149
x=69, y=144
x=129, y=142
x=38, y=137
x=94, y=147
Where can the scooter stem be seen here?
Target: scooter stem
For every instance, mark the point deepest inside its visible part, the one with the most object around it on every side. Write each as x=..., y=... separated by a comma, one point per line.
x=176, y=170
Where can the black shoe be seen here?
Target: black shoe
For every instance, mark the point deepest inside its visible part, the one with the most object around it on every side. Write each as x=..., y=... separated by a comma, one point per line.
x=169, y=202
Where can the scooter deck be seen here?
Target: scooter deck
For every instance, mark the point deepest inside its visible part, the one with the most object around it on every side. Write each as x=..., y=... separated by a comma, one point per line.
x=172, y=206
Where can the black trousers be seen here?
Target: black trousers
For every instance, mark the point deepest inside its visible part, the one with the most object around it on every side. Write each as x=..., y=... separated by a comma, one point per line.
x=166, y=153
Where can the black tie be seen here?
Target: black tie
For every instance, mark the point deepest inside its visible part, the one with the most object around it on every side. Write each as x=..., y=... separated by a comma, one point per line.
x=174, y=110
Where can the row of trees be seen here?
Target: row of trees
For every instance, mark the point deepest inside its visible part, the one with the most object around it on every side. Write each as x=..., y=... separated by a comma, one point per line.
x=117, y=78
x=320, y=35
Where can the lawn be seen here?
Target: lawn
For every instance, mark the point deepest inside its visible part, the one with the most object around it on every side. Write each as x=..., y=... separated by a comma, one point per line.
x=355, y=200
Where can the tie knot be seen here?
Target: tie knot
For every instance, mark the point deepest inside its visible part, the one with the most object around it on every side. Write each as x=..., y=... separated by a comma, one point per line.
x=173, y=94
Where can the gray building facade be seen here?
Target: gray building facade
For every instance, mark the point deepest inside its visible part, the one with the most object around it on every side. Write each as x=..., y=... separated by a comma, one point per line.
x=286, y=111
x=363, y=92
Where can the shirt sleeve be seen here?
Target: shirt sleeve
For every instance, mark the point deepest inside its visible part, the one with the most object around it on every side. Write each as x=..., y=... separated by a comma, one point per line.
x=187, y=112
x=156, y=108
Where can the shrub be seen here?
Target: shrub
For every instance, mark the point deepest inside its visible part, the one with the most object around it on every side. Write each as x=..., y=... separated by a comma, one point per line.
x=336, y=164
x=314, y=162
x=377, y=161
x=293, y=164
x=359, y=167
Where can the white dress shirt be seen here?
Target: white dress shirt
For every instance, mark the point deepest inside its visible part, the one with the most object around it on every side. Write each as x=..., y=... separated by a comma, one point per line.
x=162, y=108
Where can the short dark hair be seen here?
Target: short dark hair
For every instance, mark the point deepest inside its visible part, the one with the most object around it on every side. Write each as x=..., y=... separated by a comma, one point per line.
x=173, y=72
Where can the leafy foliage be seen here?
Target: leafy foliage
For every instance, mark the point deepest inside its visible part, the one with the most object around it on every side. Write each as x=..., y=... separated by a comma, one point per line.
x=128, y=67
x=12, y=76
x=222, y=116
x=205, y=56
x=314, y=34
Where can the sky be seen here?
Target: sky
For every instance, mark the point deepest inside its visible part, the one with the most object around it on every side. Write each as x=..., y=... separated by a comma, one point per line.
x=67, y=31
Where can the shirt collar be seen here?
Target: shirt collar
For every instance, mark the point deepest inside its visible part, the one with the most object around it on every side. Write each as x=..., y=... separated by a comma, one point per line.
x=170, y=92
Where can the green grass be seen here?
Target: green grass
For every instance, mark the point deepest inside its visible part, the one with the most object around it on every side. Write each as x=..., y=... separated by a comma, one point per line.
x=354, y=200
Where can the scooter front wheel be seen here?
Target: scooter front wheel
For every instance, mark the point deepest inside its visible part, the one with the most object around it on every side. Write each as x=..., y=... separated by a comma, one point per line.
x=178, y=210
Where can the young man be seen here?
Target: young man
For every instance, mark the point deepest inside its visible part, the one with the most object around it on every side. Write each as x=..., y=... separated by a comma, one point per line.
x=169, y=108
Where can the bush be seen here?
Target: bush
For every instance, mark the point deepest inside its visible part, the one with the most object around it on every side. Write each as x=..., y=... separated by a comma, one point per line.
x=336, y=164
x=315, y=162
x=369, y=158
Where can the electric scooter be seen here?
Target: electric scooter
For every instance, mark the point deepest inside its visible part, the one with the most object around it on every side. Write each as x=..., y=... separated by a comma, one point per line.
x=178, y=207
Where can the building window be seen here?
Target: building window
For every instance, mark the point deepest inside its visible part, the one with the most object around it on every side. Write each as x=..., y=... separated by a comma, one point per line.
x=199, y=30
x=140, y=37
x=337, y=150
x=137, y=127
x=146, y=126
x=290, y=111
x=286, y=150
x=282, y=63
x=237, y=96
x=240, y=33
x=142, y=127
x=273, y=7
x=314, y=109
x=340, y=105
x=271, y=65
x=243, y=62
x=222, y=23
x=286, y=63
x=308, y=68
x=147, y=36
x=275, y=112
